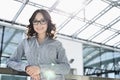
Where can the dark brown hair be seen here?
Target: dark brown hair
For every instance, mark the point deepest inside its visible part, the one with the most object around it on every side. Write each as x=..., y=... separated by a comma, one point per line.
x=51, y=26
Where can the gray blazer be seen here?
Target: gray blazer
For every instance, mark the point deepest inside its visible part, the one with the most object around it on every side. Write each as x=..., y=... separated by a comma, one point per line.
x=49, y=56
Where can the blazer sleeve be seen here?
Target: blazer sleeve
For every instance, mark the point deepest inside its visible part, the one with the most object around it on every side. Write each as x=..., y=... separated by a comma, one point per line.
x=15, y=61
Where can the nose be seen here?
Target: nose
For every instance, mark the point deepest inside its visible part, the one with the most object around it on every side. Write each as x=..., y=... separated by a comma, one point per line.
x=39, y=23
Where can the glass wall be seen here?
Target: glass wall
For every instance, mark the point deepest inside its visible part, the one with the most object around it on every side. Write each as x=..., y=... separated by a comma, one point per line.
x=101, y=62
x=12, y=77
x=9, y=39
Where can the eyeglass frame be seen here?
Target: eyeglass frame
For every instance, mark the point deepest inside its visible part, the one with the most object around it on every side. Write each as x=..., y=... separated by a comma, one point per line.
x=42, y=22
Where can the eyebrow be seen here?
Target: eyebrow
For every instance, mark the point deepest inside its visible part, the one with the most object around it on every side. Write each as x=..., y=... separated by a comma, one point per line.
x=40, y=19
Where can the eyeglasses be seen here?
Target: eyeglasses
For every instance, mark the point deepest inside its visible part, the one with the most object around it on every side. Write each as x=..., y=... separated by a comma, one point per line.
x=42, y=22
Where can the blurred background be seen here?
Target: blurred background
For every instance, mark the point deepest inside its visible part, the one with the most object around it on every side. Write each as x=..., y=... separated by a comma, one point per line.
x=88, y=29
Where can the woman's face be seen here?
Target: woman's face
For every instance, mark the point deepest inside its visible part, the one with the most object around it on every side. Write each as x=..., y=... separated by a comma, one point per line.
x=40, y=24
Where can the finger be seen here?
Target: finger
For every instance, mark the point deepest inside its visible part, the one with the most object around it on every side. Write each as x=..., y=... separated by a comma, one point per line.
x=32, y=70
x=30, y=73
x=37, y=77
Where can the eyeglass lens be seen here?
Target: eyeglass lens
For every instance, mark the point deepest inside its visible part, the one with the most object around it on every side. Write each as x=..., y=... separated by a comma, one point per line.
x=42, y=21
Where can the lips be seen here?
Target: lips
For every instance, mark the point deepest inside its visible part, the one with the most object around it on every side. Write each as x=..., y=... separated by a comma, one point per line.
x=40, y=28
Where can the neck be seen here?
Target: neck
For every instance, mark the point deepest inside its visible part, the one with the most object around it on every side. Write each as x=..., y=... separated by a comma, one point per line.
x=41, y=37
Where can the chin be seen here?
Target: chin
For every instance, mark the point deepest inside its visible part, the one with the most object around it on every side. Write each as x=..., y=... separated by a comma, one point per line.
x=41, y=32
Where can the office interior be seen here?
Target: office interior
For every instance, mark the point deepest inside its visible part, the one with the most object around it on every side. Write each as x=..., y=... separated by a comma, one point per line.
x=90, y=27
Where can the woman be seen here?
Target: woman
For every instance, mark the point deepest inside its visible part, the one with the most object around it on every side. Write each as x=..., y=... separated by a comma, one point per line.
x=46, y=58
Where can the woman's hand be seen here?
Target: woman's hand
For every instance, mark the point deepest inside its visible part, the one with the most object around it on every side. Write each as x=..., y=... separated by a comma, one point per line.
x=34, y=72
x=36, y=77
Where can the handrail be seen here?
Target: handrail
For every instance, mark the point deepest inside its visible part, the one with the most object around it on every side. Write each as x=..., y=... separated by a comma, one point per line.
x=68, y=77
x=11, y=71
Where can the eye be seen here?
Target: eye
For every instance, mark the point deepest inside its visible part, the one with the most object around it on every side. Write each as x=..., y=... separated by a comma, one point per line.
x=43, y=20
x=35, y=21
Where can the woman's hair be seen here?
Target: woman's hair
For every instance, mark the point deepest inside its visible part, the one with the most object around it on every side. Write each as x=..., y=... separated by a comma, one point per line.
x=50, y=29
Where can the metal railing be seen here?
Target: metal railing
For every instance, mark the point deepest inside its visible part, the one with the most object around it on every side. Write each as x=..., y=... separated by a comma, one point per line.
x=68, y=77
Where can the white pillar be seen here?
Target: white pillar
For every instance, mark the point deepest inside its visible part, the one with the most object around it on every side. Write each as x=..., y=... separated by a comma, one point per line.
x=74, y=51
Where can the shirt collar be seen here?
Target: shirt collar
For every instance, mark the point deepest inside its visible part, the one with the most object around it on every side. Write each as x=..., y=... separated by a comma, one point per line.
x=39, y=44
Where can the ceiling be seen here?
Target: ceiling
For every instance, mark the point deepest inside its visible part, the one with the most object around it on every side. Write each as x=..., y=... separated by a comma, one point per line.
x=89, y=21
